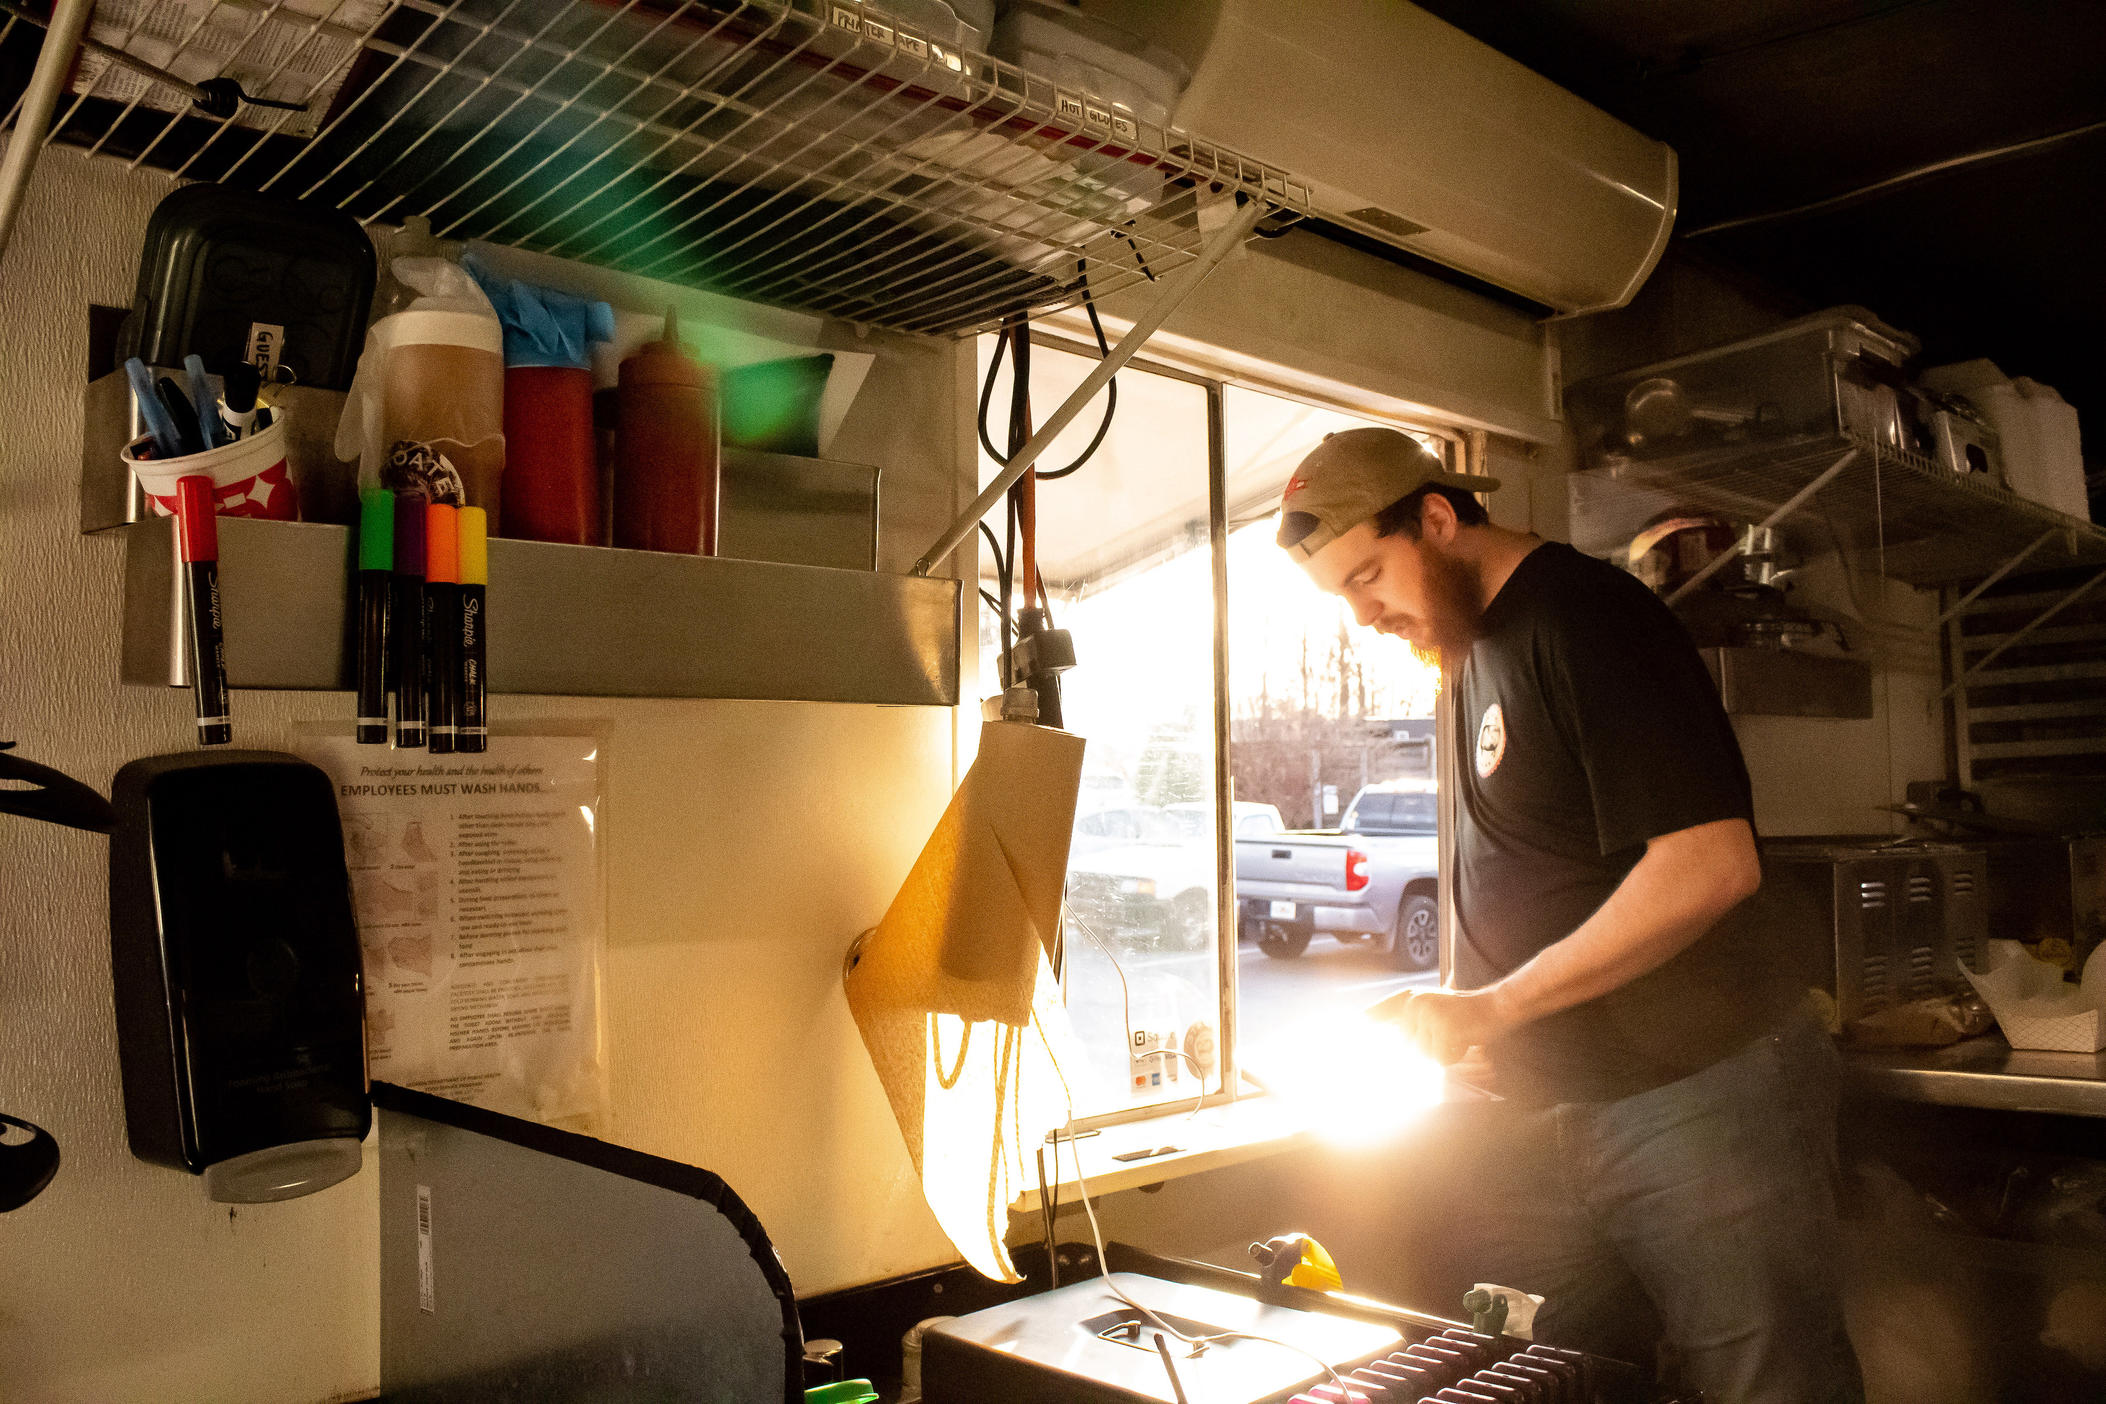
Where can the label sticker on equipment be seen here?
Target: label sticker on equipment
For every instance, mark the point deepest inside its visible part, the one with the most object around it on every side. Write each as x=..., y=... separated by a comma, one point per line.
x=846, y=17
x=1068, y=105
x=427, y=1298
x=913, y=45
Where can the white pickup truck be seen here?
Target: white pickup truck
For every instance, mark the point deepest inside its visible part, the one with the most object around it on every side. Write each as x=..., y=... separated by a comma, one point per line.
x=1374, y=877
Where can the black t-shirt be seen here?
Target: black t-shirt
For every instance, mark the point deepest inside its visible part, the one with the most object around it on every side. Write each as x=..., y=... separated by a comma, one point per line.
x=1589, y=726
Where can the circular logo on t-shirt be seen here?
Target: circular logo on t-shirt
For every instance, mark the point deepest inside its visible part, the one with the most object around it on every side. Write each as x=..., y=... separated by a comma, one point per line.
x=1491, y=742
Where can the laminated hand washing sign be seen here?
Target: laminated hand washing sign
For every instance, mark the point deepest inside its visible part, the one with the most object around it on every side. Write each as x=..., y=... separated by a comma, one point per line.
x=476, y=883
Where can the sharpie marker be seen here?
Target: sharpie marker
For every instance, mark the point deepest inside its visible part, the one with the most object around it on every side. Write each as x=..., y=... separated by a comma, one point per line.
x=376, y=561
x=197, y=531
x=472, y=730
x=406, y=642
x=441, y=623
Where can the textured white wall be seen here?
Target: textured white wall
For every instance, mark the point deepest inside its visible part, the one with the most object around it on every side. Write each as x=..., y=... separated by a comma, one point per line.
x=746, y=843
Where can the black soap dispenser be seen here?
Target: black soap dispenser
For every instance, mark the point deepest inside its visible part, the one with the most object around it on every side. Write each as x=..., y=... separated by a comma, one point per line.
x=240, y=1008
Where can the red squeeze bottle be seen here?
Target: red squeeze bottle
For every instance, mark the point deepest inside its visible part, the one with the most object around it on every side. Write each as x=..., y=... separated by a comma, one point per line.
x=665, y=450
x=551, y=483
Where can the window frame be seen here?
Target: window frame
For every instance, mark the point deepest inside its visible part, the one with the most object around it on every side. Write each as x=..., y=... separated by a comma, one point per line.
x=1461, y=451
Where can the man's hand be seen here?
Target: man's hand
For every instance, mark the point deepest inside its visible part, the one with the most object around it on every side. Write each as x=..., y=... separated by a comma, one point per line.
x=1445, y=1024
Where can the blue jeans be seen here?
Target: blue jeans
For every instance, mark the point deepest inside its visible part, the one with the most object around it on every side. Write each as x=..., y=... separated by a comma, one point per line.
x=1699, y=1216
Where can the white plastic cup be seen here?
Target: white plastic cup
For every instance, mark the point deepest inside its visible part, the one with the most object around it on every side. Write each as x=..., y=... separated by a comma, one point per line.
x=249, y=478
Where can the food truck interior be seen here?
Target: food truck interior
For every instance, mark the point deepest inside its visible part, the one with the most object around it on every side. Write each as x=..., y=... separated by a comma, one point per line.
x=1208, y=701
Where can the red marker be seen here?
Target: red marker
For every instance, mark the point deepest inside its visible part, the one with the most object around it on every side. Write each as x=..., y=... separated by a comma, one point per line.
x=197, y=538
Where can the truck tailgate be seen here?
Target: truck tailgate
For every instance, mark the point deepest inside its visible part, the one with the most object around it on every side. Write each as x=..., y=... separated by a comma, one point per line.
x=1288, y=862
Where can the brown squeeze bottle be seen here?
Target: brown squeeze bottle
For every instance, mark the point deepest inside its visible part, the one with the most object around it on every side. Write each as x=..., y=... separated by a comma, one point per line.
x=665, y=450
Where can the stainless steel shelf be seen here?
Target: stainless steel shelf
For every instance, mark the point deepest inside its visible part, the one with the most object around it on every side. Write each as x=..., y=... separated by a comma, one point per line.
x=573, y=620
x=1983, y=1072
x=1893, y=512
x=821, y=156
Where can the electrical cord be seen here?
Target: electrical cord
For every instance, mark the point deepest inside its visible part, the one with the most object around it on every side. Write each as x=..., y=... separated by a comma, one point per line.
x=995, y=547
x=1111, y=387
x=1005, y=558
x=1111, y=391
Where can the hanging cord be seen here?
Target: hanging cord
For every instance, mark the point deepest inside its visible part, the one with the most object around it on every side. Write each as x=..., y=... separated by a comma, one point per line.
x=215, y=97
x=1008, y=586
x=1111, y=391
x=1021, y=491
x=1001, y=565
x=1111, y=388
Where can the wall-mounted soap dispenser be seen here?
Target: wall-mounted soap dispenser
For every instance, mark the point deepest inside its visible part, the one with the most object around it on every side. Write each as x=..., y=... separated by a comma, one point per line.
x=240, y=1010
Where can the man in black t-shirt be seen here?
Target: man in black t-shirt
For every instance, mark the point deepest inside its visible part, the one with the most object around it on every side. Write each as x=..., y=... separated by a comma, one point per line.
x=1672, y=1178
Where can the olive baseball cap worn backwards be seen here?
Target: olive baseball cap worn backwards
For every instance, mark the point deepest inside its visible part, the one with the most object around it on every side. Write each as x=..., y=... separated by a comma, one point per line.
x=1352, y=475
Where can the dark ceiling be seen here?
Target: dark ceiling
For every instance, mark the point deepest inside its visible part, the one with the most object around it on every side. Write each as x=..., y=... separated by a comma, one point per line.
x=1775, y=104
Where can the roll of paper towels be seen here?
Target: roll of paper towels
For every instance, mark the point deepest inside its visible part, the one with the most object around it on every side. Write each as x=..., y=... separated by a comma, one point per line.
x=954, y=994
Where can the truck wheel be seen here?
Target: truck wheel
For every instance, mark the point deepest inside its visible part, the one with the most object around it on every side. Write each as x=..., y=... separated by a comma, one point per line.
x=1185, y=923
x=1282, y=942
x=1418, y=941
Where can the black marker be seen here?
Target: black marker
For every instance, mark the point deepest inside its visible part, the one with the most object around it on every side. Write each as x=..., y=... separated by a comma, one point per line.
x=376, y=561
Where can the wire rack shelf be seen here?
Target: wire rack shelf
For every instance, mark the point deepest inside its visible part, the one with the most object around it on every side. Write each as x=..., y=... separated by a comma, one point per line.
x=1890, y=510
x=821, y=155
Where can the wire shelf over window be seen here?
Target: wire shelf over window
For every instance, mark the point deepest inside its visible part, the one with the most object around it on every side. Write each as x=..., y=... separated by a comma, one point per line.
x=823, y=157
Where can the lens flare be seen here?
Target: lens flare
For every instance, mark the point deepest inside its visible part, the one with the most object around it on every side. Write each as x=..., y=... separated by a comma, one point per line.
x=1353, y=1083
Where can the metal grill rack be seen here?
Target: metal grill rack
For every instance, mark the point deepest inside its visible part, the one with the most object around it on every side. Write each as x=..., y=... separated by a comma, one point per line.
x=825, y=157
x=1894, y=512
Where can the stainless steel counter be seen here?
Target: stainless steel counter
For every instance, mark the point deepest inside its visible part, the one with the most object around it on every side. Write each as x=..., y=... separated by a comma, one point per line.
x=1982, y=1072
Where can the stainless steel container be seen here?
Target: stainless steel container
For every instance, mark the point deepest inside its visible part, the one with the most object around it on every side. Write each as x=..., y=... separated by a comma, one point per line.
x=1874, y=921
x=1834, y=370
x=1963, y=443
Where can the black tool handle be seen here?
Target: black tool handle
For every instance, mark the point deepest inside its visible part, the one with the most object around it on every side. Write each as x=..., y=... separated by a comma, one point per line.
x=183, y=413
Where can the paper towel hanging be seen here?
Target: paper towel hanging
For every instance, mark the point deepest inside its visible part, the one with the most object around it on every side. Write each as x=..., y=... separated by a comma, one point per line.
x=953, y=990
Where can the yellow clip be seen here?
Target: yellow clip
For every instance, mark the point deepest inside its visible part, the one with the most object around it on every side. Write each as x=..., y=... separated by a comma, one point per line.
x=1311, y=1265
x=1316, y=1270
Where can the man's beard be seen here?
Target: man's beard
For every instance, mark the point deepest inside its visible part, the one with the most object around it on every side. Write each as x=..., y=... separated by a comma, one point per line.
x=1453, y=612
